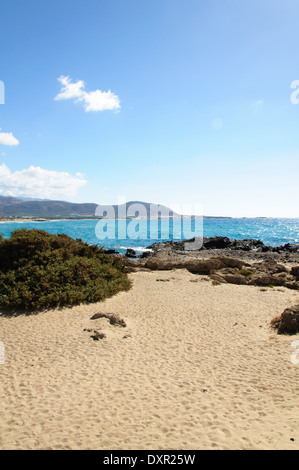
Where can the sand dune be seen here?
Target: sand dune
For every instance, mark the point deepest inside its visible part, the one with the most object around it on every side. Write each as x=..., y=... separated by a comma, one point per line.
x=199, y=369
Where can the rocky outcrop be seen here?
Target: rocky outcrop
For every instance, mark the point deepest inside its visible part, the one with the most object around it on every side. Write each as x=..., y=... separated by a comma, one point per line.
x=295, y=272
x=195, y=266
x=268, y=273
x=224, y=269
x=225, y=243
x=288, y=323
x=264, y=267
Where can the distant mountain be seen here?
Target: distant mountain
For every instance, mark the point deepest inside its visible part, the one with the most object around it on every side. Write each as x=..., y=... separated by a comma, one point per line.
x=32, y=199
x=11, y=207
x=7, y=200
x=138, y=209
x=14, y=207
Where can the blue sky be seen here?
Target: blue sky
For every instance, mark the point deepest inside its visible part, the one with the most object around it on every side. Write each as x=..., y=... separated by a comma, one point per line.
x=199, y=109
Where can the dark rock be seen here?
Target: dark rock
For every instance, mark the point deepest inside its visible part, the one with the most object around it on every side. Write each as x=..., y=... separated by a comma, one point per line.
x=270, y=266
x=220, y=243
x=131, y=253
x=218, y=278
x=234, y=278
x=295, y=272
x=261, y=280
x=110, y=252
x=232, y=262
x=112, y=317
x=292, y=285
x=216, y=243
x=98, y=335
x=288, y=322
x=288, y=247
x=146, y=254
x=225, y=243
x=281, y=278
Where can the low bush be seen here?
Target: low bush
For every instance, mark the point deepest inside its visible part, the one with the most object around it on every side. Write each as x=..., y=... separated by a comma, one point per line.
x=245, y=272
x=39, y=270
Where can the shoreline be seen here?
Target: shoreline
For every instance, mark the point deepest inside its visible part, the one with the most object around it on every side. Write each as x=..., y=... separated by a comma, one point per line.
x=205, y=217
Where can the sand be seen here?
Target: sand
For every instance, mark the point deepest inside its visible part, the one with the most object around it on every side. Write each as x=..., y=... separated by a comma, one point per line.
x=201, y=370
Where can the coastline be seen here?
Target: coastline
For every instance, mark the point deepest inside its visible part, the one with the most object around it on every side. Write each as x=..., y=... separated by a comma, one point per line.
x=204, y=217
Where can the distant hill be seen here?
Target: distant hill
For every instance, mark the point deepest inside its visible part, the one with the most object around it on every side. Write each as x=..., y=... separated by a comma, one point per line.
x=138, y=209
x=11, y=207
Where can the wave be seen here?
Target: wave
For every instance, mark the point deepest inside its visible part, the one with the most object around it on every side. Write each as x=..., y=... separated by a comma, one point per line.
x=136, y=248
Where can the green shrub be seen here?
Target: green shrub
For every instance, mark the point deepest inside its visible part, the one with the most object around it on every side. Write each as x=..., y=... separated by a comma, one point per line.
x=245, y=272
x=39, y=270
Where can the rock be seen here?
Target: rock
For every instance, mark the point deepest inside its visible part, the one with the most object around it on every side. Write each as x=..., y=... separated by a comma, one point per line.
x=279, y=279
x=98, y=335
x=146, y=254
x=248, y=244
x=216, y=243
x=271, y=266
x=112, y=317
x=292, y=285
x=288, y=247
x=155, y=264
x=295, y=272
x=261, y=280
x=289, y=321
x=130, y=253
x=225, y=243
x=218, y=278
x=132, y=262
x=195, y=266
x=232, y=262
x=203, y=266
x=234, y=278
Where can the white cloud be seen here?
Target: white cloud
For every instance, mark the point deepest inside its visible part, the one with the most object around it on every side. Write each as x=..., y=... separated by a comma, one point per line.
x=70, y=90
x=38, y=182
x=7, y=138
x=92, y=101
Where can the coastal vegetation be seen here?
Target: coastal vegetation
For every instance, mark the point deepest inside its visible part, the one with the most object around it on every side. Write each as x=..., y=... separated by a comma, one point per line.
x=39, y=271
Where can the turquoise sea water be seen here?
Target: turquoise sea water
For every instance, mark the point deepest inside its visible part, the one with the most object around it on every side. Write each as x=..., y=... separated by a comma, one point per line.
x=142, y=233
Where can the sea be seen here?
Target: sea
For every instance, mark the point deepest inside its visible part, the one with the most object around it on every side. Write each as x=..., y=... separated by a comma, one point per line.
x=139, y=234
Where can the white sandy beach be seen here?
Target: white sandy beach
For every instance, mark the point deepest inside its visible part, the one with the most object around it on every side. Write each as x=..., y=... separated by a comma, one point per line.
x=201, y=370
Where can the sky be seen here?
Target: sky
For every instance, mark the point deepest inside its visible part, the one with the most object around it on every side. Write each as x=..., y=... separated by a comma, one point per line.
x=187, y=103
